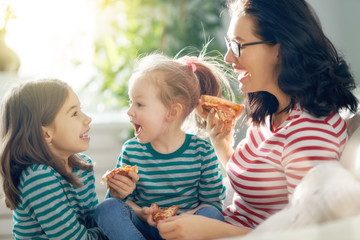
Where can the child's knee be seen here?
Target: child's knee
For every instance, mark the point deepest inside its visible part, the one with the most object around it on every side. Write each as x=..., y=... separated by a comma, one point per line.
x=210, y=212
x=109, y=206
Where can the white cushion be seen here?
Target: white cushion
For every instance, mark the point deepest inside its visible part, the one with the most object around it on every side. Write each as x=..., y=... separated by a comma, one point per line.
x=328, y=192
x=347, y=228
x=350, y=157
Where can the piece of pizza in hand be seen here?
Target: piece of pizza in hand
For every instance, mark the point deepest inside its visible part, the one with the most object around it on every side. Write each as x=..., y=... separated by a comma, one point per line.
x=166, y=212
x=226, y=111
x=124, y=171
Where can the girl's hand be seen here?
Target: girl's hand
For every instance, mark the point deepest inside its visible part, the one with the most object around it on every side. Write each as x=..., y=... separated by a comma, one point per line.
x=122, y=186
x=146, y=215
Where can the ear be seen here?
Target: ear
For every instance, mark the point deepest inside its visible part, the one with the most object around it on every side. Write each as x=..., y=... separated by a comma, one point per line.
x=47, y=134
x=200, y=110
x=277, y=49
x=175, y=112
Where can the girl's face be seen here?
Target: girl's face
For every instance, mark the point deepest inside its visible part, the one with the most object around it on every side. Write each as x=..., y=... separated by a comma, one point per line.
x=69, y=131
x=147, y=113
x=257, y=65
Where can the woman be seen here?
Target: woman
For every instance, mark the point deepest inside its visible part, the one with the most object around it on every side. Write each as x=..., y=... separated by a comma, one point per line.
x=295, y=83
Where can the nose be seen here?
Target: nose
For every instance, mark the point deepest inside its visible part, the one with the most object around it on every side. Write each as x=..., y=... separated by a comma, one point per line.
x=87, y=119
x=229, y=56
x=130, y=112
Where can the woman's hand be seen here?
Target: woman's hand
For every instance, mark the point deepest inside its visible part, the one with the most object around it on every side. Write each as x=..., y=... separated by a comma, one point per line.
x=184, y=226
x=221, y=136
x=122, y=186
x=196, y=227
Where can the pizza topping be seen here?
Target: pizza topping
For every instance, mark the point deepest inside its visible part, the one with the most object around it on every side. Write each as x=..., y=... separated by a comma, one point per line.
x=166, y=212
x=121, y=170
x=226, y=111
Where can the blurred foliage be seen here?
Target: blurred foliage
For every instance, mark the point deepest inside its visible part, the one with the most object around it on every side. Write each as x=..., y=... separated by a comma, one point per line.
x=133, y=28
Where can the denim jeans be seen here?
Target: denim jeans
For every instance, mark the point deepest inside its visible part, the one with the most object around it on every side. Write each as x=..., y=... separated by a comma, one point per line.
x=119, y=221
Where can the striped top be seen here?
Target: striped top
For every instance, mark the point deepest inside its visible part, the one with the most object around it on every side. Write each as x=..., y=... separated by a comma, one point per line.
x=51, y=208
x=267, y=166
x=187, y=177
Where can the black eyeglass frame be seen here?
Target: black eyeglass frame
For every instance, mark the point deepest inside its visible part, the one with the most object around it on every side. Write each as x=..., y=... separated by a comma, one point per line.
x=239, y=46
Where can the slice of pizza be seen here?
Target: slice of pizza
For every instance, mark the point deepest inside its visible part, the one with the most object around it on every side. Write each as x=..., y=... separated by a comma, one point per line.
x=166, y=212
x=120, y=170
x=226, y=111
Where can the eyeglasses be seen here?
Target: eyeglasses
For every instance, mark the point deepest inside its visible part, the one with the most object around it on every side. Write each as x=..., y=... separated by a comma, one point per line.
x=236, y=47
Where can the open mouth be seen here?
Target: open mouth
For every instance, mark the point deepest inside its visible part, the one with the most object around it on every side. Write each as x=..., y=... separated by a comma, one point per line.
x=138, y=129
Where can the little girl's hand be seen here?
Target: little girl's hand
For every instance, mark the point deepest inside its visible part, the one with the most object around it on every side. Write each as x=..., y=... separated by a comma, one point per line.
x=147, y=216
x=122, y=186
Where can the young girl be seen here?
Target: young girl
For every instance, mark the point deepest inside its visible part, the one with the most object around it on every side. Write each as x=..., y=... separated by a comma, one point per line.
x=49, y=187
x=175, y=168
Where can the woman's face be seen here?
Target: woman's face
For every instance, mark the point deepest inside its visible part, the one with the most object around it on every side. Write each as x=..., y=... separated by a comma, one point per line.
x=258, y=65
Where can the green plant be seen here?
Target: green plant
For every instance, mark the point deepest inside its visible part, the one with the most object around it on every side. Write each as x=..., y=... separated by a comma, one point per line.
x=139, y=27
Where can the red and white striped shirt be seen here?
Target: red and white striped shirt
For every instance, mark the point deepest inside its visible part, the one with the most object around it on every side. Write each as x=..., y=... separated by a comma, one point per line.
x=267, y=166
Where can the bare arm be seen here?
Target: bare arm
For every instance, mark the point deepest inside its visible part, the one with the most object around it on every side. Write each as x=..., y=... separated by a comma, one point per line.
x=197, y=227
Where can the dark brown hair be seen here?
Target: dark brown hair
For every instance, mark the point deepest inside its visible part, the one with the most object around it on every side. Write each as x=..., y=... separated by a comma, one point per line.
x=312, y=72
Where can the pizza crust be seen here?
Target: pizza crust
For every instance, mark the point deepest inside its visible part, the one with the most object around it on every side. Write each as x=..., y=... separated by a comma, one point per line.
x=121, y=170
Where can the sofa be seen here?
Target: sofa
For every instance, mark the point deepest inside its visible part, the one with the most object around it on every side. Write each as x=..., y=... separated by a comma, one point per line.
x=329, y=215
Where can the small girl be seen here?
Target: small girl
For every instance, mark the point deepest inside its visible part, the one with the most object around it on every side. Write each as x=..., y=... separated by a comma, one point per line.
x=47, y=184
x=175, y=167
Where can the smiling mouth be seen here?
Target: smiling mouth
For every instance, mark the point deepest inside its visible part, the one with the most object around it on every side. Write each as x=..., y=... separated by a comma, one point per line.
x=243, y=75
x=85, y=136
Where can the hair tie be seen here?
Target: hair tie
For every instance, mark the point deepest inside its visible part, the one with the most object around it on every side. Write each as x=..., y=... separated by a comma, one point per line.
x=190, y=63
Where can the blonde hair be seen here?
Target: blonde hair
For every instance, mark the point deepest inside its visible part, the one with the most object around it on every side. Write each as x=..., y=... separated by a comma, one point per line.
x=185, y=79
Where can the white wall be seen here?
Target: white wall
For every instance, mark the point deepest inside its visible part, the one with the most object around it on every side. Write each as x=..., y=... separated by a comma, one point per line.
x=341, y=23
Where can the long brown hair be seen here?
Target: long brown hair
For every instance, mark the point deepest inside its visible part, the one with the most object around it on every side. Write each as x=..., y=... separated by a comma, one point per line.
x=24, y=110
